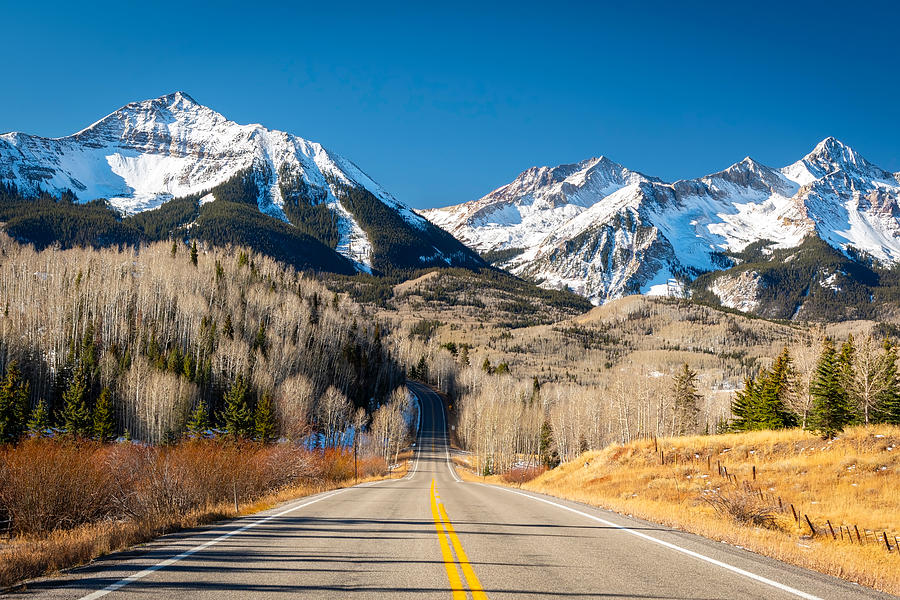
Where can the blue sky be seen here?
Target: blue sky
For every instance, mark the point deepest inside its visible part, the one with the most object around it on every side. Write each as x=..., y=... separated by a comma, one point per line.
x=441, y=103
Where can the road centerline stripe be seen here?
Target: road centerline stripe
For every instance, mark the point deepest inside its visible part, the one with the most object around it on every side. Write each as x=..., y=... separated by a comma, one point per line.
x=468, y=571
x=456, y=584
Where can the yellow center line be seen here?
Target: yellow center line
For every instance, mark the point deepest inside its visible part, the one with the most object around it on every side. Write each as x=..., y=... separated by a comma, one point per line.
x=449, y=564
x=445, y=530
x=468, y=571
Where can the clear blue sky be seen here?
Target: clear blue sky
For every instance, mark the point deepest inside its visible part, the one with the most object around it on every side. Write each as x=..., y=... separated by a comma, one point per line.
x=443, y=103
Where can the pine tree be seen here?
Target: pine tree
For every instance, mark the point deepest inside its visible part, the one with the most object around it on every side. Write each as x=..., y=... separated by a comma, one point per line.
x=830, y=410
x=76, y=416
x=463, y=357
x=743, y=406
x=104, y=417
x=238, y=417
x=887, y=408
x=421, y=369
x=686, y=402
x=265, y=427
x=847, y=370
x=772, y=412
x=39, y=422
x=13, y=404
x=194, y=253
x=547, y=450
x=198, y=422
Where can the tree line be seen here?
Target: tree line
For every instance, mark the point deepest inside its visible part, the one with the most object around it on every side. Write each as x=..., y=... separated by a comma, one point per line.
x=854, y=384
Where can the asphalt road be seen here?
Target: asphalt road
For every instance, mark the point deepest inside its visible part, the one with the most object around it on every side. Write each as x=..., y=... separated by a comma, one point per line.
x=430, y=535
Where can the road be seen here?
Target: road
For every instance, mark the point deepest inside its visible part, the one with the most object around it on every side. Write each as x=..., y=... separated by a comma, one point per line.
x=429, y=535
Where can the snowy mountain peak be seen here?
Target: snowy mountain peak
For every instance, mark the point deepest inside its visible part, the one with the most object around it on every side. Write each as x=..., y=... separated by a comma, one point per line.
x=604, y=230
x=148, y=152
x=830, y=156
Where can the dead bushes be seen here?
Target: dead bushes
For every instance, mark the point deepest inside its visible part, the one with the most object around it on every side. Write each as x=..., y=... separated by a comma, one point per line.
x=49, y=485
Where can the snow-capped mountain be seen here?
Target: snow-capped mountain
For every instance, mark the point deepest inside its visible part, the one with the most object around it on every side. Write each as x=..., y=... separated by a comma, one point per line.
x=149, y=152
x=606, y=231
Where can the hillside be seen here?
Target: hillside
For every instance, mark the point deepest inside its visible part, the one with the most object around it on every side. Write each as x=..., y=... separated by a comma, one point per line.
x=848, y=482
x=147, y=154
x=162, y=334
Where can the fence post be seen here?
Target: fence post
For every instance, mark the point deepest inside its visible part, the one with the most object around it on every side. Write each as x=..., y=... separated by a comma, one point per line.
x=834, y=537
x=808, y=522
x=886, y=542
x=796, y=518
x=858, y=537
x=754, y=472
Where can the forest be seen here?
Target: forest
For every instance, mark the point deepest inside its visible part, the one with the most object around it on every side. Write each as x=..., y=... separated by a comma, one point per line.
x=149, y=341
x=234, y=219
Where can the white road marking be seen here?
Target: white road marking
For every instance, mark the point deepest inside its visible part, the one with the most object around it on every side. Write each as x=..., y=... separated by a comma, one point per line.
x=669, y=545
x=170, y=561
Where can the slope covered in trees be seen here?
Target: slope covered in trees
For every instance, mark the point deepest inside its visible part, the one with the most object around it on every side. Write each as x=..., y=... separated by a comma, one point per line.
x=812, y=281
x=138, y=339
x=398, y=245
x=233, y=219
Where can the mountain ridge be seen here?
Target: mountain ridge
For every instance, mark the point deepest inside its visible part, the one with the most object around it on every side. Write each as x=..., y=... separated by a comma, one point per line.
x=638, y=232
x=149, y=152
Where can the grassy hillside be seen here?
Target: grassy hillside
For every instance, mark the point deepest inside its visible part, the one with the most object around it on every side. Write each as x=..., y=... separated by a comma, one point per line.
x=850, y=481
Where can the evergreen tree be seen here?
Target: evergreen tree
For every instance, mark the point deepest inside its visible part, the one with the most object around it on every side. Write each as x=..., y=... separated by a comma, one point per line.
x=847, y=370
x=76, y=416
x=421, y=369
x=13, y=404
x=743, y=406
x=887, y=409
x=463, y=357
x=238, y=416
x=548, y=451
x=40, y=419
x=768, y=409
x=104, y=417
x=198, y=422
x=194, y=253
x=686, y=402
x=265, y=426
x=830, y=410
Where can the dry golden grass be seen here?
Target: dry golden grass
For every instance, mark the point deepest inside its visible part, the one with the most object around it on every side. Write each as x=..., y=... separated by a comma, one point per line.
x=851, y=480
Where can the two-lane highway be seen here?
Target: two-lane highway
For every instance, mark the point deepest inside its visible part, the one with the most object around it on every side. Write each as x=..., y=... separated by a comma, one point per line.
x=429, y=535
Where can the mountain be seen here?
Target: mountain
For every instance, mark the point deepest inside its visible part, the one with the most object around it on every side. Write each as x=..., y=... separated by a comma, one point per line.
x=606, y=231
x=147, y=154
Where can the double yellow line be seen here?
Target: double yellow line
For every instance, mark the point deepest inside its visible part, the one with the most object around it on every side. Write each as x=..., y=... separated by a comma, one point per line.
x=444, y=531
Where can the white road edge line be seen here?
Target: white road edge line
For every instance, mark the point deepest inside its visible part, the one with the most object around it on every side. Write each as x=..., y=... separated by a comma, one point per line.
x=669, y=545
x=170, y=561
